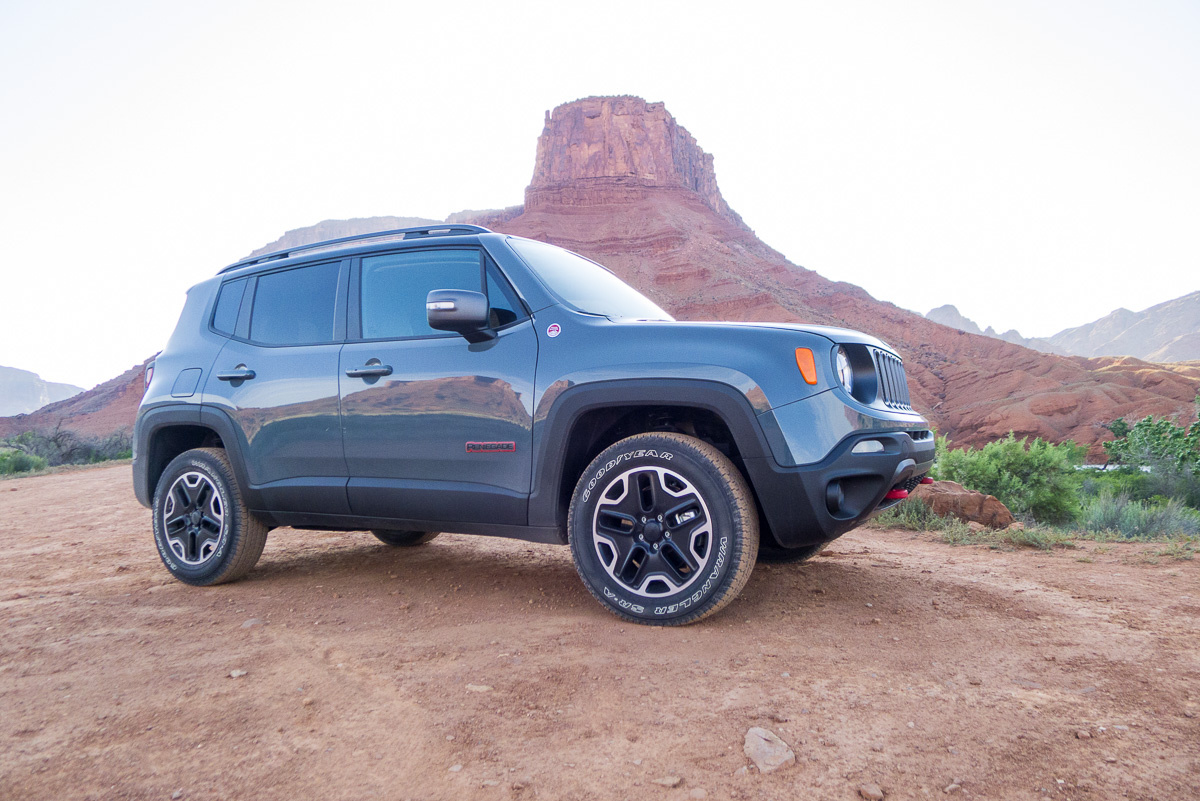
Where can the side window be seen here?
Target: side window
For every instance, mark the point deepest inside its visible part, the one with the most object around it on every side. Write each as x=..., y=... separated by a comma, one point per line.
x=505, y=306
x=395, y=285
x=229, y=303
x=295, y=307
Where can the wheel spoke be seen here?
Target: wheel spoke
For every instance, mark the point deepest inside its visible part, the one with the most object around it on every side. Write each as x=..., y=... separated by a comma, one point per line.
x=678, y=564
x=648, y=492
x=615, y=524
x=632, y=565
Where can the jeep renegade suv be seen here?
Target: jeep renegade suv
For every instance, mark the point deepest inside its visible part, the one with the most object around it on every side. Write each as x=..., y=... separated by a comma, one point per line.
x=455, y=379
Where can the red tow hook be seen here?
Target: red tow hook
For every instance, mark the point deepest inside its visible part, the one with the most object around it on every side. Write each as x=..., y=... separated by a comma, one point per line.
x=896, y=495
x=926, y=480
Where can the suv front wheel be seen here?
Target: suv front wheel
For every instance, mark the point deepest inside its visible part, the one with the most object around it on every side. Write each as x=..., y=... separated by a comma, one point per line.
x=204, y=533
x=663, y=529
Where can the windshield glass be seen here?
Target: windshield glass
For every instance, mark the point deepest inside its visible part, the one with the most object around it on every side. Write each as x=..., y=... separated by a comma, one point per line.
x=584, y=284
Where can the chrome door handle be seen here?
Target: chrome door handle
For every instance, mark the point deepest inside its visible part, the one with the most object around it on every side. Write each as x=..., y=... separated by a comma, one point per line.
x=370, y=371
x=236, y=375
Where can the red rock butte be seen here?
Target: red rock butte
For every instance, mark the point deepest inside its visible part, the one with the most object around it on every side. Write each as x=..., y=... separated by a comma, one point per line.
x=619, y=180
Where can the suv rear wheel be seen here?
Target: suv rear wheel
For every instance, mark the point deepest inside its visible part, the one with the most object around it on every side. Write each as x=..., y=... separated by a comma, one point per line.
x=403, y=538
x=204, y=533
x=663, y=529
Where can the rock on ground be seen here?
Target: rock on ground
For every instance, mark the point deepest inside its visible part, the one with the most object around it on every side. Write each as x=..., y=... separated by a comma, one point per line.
x=767, y=751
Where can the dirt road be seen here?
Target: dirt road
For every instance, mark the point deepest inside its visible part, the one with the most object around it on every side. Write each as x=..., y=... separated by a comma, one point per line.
x=481, y=668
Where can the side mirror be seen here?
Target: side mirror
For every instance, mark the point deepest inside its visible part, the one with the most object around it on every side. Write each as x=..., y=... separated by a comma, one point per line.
x=461, y=311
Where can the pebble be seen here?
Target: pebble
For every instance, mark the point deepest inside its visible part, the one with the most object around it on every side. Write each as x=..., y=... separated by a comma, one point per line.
x=490, y=783
x=698, y=792
x=306, y=702
x=952, y=788
x=252, y=622
x=455, y=768
x=876, y=620
x=877, y=748
x=667, y=781
x=871, y=792
x=479, y=688
x=237, y=674
x=1083, y=734
x=766, y=750
x=1110, y=760
x=177, y=794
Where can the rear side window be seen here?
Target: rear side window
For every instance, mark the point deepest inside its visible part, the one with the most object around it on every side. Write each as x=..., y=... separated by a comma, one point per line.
x=395, y=286
x=295, y=307
x=229, y=303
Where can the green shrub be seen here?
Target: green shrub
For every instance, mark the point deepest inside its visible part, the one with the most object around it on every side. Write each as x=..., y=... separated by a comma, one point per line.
x=913, y=515
x=19, y=462
x=1170, y=451
x=63, y=446
x=1129, y=519
x=1033, y=479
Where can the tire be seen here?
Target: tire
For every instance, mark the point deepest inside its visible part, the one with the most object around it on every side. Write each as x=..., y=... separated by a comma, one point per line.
x=204, y=533
x=663, y=529
x=403, y=539
x=775, y=555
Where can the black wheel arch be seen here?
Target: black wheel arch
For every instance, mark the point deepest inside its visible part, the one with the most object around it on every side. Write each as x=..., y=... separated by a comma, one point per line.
x=587, y=418
x=164, y=432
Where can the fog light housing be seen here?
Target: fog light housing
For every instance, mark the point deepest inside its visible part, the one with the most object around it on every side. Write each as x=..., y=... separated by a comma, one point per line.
x=834, y=497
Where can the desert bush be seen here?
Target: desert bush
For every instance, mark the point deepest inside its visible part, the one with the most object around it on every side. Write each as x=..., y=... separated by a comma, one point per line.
x=912, y=515
x=1033, y=479
x=63, y=446
x=1169, y=451
x=20, y=462
x=1121, y=516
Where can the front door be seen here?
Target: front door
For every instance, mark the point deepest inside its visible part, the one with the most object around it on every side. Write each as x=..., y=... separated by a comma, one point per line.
x=435, y=427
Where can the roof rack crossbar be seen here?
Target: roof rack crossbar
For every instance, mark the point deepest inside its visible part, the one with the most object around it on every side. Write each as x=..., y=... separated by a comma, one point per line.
x=442, y=229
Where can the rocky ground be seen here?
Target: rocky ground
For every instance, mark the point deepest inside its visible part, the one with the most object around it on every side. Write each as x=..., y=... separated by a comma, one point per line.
x=893, y=666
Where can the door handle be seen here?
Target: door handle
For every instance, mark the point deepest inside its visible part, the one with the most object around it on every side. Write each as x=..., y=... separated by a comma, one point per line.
x=236, y=375
x=370, y=371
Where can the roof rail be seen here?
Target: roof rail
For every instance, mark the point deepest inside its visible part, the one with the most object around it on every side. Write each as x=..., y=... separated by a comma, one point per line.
x=441, y=229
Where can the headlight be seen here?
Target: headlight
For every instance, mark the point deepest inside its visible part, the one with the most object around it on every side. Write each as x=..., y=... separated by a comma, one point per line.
x=845, y=372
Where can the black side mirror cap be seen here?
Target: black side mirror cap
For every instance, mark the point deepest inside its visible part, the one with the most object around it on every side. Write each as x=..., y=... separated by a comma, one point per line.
x=461, y=311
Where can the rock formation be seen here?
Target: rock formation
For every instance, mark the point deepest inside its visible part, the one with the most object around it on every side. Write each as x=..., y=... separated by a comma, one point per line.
x=22, y=392
x=948, y=499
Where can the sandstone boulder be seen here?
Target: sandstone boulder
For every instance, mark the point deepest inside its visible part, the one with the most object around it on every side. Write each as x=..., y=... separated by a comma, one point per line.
x=947, y=498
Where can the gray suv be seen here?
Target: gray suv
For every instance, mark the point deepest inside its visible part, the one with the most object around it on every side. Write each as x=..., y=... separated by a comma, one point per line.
x=452, y=379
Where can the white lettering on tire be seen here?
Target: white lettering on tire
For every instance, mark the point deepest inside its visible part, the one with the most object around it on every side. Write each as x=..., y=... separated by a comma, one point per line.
x=622, y=457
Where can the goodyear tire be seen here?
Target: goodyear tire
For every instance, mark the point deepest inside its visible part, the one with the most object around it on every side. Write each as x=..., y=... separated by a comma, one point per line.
x=775, y=555
x=204, y=533
x=663, y=529
x=403, y=539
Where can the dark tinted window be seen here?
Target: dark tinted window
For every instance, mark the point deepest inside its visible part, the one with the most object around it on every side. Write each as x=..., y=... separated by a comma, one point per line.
x=295, y=307
x=504, y=304
x=229, y=303
x=394, y=288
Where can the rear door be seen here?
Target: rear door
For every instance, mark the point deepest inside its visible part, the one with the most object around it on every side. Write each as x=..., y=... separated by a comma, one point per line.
x=438, y=428
x=277, y=379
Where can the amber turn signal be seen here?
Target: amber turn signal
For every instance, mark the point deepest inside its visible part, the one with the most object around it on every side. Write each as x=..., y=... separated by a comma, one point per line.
x=807, y=365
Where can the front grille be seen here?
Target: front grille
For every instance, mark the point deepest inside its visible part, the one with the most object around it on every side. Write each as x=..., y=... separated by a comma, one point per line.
x=893, y=385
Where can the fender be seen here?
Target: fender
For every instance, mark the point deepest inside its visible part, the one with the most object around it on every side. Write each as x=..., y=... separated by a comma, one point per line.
x=152, y=421
x=552, y=434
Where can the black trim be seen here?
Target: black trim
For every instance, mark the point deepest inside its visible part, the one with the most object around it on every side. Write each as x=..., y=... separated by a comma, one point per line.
x=542, y=534
x=552, y=435
x=794, y=499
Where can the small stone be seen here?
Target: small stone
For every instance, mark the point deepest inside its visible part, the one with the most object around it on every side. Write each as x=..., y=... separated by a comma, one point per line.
x=1083, y=734
x=785, y=675
x=766, y=750
x=877, y=748
x=479, y=688
x=1110, y=760
x=1049, y=657
x=911, y=725
x=252, y=622
x=698, y=792
x=952, y=788
x=742, y=771
x=237, y=674
x=667, y=781
x=177, y=795
x=490, y=783
x=455, y=768
x=306, y=702
x=449, y=737
x=876, y=620
x=871, y=792
x=974, y=682
x=637, y=761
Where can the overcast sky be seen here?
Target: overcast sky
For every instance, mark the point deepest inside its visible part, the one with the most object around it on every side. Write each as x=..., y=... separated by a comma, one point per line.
x=1034, y=163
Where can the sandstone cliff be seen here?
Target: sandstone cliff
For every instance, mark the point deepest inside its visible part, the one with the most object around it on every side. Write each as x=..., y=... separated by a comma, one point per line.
x=22, y=391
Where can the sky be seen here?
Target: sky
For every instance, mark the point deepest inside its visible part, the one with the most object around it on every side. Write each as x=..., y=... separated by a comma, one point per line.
x=1035, y=164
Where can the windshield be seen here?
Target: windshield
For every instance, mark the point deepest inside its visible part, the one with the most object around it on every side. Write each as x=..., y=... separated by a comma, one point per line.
x=584, y=284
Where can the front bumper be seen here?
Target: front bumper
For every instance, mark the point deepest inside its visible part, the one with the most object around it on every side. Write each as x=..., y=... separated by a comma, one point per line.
x=820, y=502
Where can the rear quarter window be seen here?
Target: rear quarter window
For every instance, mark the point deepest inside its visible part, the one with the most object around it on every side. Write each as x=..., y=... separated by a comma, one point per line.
x=296, y=307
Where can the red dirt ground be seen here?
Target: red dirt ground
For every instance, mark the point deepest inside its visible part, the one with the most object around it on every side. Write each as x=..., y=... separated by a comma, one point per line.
x=894, y=660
